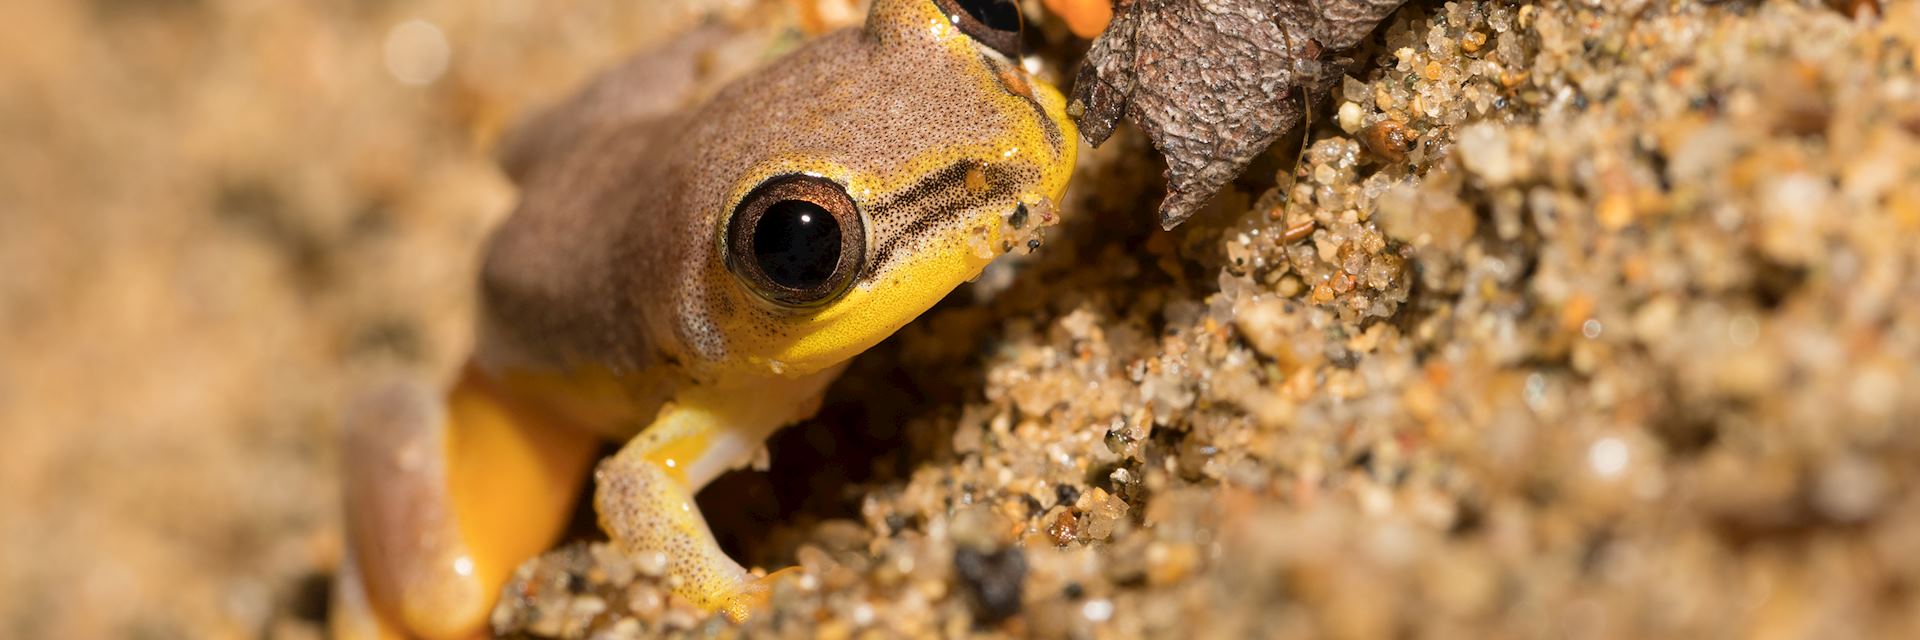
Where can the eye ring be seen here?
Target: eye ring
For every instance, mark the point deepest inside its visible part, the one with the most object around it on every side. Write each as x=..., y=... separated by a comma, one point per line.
x=796, y=240
x=994, y=23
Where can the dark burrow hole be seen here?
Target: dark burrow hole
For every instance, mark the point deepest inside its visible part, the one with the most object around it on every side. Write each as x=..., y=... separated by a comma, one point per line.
x=819, y=469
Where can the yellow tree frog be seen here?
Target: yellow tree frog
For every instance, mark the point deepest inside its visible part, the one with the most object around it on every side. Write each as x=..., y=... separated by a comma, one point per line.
x=686, y=282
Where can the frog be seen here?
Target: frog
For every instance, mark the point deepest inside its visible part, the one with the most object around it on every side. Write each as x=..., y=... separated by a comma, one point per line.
x=682, y=281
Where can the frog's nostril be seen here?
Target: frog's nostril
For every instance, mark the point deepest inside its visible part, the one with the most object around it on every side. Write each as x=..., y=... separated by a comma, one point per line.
x=1016, y=82
x=1020, y=85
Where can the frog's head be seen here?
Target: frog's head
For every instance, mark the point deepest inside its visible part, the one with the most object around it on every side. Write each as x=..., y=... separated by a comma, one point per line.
x=860, y=179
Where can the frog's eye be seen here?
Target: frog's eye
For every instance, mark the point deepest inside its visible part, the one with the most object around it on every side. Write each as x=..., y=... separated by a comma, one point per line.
x=796, y=240
x=995, y=23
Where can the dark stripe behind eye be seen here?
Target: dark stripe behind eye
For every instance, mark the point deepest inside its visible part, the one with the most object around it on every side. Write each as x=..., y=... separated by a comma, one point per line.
x=948, y=177
x=922, y=208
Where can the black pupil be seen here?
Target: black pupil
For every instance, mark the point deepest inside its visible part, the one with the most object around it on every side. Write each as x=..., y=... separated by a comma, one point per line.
x=797, y=244
x=998, y=15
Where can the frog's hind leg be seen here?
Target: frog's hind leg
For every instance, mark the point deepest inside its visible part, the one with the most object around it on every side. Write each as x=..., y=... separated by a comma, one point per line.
x=443, y=500
x=645, y=493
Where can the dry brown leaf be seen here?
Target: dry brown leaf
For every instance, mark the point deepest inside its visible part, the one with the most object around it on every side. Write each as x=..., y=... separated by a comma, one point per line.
x=1214, y=82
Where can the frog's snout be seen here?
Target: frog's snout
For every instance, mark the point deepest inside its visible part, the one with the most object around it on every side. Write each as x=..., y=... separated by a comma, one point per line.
x=1057, y=128
x=1052, y=135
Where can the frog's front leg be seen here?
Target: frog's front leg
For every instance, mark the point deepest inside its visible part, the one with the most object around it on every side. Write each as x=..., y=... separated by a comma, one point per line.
x=645, y=492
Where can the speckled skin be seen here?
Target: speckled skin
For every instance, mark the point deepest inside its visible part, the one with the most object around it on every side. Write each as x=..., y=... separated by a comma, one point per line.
x=608, y=309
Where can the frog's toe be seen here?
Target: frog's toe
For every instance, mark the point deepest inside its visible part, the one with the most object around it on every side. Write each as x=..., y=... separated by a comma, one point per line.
x=755, y=595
